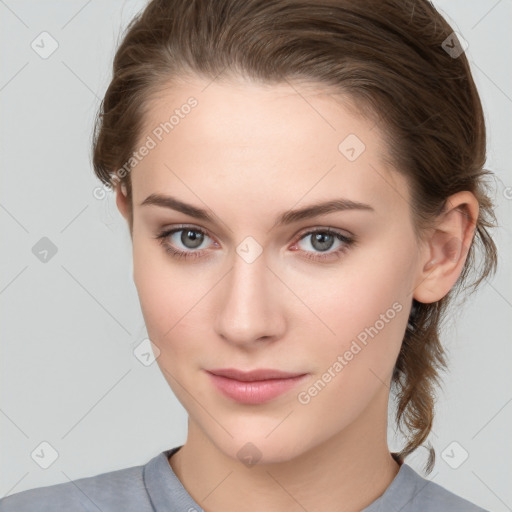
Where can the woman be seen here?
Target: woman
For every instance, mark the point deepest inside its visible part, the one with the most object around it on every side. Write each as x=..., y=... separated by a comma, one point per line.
x=303, y=184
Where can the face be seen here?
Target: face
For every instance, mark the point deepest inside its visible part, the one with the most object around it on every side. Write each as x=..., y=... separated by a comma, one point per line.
x=325, y=296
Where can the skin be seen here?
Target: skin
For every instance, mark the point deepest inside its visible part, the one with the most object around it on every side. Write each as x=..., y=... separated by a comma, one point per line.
x=247, y=153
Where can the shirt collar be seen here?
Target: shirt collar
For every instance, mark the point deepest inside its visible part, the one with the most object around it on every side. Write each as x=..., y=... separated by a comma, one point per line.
x=167, y=493
x=165, y=490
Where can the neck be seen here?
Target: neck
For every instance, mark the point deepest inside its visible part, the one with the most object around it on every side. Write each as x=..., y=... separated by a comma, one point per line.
x=344, y=473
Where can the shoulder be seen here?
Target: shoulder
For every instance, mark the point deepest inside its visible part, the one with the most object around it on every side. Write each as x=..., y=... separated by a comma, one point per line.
x=428, y=496
x=117, y=490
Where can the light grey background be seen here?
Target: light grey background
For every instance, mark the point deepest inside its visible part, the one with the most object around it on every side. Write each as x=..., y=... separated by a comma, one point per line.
x=69, y=326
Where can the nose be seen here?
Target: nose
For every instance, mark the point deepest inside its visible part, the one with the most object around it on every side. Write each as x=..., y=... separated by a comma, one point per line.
x=251, y=306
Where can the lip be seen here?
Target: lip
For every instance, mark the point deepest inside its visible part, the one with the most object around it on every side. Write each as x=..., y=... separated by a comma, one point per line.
x=254, y=386
x=253, y=375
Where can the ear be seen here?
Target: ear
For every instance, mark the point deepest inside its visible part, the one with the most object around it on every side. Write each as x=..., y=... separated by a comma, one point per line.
x=445, y=251
x=122, y=200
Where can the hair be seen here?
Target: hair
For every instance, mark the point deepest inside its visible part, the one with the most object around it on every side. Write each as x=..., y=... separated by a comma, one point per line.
x=388, y=58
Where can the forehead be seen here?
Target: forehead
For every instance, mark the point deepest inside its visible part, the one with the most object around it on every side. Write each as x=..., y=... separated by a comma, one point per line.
x=273, y=145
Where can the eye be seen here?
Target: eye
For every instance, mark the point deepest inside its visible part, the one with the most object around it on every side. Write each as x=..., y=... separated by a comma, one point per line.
x=186, y=241
x=323, y=240
x=188, y=237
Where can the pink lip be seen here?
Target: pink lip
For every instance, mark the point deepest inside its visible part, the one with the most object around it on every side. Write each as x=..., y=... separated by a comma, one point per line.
x=256, y=386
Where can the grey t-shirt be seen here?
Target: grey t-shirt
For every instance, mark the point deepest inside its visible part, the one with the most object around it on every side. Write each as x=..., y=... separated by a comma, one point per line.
x=155, y=487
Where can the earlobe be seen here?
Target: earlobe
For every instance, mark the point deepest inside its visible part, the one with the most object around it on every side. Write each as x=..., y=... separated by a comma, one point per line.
x=446, y=251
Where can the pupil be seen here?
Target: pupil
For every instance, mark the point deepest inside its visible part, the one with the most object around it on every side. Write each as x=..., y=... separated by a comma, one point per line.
x=197, y=239
x=321, y=238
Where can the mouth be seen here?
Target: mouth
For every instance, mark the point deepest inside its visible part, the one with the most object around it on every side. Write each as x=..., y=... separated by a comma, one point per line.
x=254, y=386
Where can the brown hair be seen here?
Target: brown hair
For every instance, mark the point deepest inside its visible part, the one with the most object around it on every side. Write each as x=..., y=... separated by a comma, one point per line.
x=390, y=58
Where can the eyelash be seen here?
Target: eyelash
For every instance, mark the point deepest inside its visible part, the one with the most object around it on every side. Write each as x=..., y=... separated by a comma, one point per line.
x=187, y=255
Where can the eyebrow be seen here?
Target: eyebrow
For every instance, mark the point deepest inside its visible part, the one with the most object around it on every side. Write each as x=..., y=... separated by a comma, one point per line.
x=287, y=217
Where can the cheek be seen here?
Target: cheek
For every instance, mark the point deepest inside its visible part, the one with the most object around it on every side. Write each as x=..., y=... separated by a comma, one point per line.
x=161, y=291
x=367, y=314
x=365, y=307
x=172, y=302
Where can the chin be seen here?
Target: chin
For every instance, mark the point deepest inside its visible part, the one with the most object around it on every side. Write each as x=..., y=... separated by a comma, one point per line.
x=257, y=449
